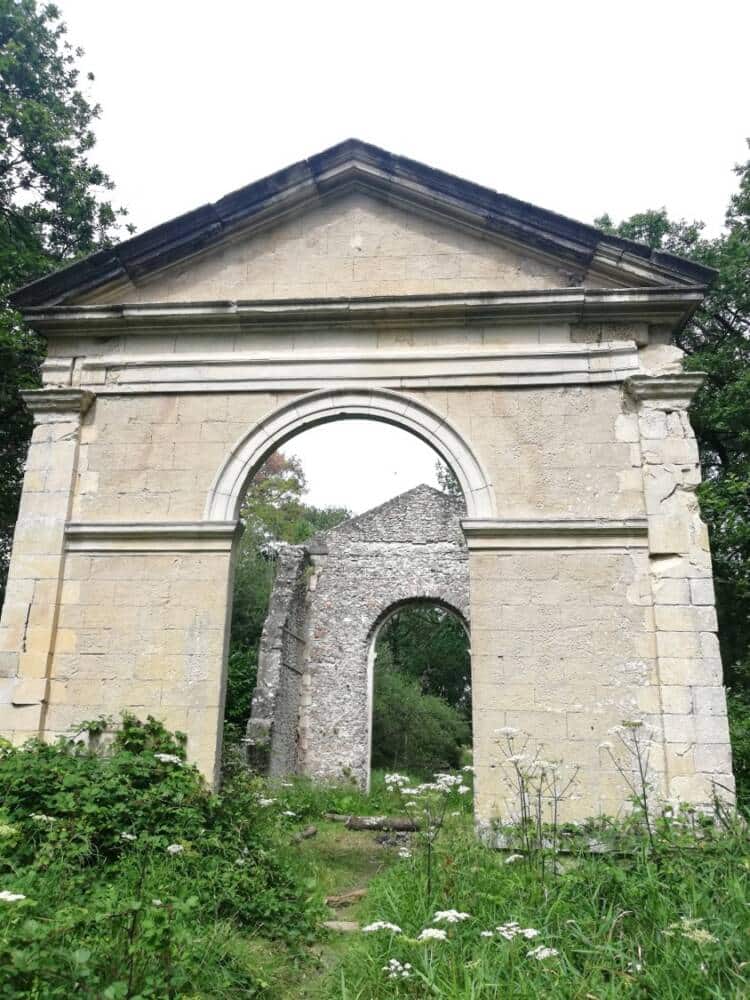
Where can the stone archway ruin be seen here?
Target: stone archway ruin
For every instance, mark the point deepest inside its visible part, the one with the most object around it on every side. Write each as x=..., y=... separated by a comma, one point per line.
x=312, y=707
x=361, y=281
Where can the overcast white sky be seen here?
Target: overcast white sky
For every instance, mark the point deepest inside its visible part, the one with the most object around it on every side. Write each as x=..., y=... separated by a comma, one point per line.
x=581, y=107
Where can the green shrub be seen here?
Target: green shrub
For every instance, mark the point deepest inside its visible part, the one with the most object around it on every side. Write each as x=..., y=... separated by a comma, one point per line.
x=129, y=864
x=412, y=731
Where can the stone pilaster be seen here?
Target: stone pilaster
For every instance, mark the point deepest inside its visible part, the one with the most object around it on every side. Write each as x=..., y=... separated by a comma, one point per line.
x=28, y=628
x=692, y=701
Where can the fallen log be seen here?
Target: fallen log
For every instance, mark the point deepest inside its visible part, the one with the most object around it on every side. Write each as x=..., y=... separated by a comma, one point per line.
x=394, y=824
x=337, y=817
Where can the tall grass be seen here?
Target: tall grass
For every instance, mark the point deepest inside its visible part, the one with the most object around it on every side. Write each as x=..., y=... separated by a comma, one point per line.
x=621, y=926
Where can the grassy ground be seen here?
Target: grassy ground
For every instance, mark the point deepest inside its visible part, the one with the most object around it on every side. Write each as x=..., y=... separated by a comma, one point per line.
x=631, y=925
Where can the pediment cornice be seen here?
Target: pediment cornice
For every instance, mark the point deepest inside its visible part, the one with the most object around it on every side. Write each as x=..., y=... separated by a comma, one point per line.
x=354, y=165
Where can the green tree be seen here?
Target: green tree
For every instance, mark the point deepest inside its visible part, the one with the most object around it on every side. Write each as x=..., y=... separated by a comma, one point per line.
x=447, y=481
x=430, y=645
x=717, y=341
x=53, y=207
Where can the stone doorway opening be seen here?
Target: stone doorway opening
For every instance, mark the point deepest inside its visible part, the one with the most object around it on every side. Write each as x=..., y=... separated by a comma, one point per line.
x=330, y=588
x=420, y=683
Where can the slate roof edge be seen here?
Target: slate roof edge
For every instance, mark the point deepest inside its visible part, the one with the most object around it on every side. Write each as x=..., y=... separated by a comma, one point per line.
x=197, y=230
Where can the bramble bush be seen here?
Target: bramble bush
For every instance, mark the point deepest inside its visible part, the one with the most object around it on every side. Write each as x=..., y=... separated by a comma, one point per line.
x=122, y=875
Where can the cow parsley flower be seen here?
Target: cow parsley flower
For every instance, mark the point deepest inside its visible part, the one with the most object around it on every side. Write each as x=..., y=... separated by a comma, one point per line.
x=381, y=925
x=396, y=780
x=512, y=858
x=463, y=789
x=169, y=758
x=541, y=952
x=128, y=836
x=404, y=852
x=288, y=812
x=41, y=818
x=11, y=897
x=432, y=934
x=468, y=768
x=266, y=802
x=175, y=849
x=486, y=934
x=397, y=970
x=450, y=916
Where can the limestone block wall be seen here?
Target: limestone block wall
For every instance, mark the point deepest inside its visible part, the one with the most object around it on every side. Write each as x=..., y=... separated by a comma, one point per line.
x=120, y=582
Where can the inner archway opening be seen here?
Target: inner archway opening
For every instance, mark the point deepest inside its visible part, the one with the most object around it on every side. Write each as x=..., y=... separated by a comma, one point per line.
x=421, y=701
x=329, y=513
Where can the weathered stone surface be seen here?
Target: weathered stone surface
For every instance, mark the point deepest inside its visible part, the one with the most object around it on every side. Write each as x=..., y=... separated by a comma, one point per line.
x=520, y=345
x=312, y=707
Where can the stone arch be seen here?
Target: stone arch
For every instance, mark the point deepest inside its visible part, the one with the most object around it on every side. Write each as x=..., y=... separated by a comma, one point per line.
x=252, y=449
x=462, y=615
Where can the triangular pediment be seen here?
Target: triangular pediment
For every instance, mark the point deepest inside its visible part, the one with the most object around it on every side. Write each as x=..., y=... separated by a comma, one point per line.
x=352, y=245
x=356, y=221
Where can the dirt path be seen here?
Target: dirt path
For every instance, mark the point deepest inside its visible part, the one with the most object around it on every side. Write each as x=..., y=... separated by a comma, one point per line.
x=340, y=861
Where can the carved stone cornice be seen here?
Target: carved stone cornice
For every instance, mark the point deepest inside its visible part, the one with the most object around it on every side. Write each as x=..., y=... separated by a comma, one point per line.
x=155, y=536
x=665, y=304
x=665, y=392
x=554, y=533
x=59, y=401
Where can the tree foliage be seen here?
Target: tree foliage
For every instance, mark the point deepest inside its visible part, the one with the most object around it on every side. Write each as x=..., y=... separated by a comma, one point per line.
x=430, y=645
x=53, y=205
x=413, y=731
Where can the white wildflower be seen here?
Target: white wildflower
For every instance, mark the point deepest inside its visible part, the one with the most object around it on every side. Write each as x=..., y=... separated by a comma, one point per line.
x=381, y=925
x=432, y=934
x=396, y=780
x=541, y=952
x=157, y=902
x=41, y=818
x=448, y=780
x=450, y=916
x=288, y=812
x=266, y=802
x=529, y=933
x=468, y=768
x=411, y=804
x=404, y=852
x=169, y=758
x=486, y=934
x=11, y=897
x=128, y=836
x=463, y=789
x=287, y=784
x=397, y=970
x=512, y=858
x=175, y=849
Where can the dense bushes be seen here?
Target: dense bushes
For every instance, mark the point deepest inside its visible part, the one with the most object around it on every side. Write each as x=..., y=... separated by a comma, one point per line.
x=134, y=875
x=412, y=731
